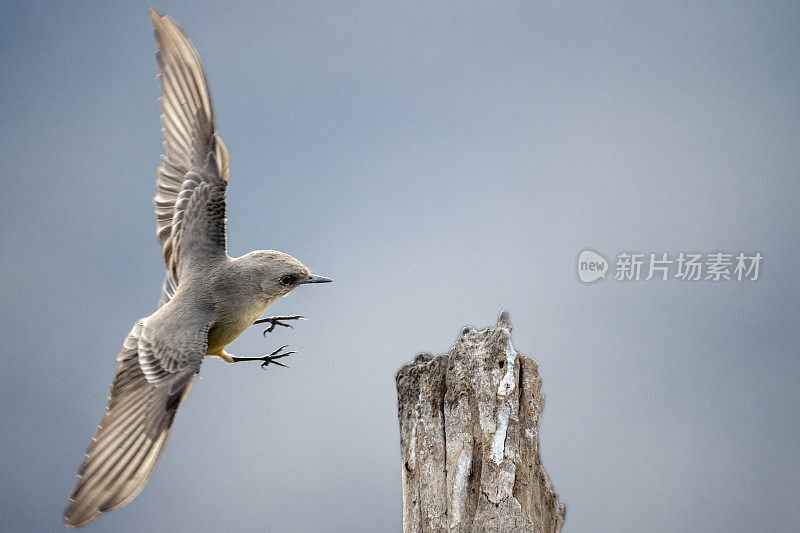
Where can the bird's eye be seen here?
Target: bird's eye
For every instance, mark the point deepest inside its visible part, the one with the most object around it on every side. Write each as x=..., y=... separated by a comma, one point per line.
x=287, y=280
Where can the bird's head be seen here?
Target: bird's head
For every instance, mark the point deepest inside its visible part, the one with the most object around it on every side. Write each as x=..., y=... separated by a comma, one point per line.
x=279, y=273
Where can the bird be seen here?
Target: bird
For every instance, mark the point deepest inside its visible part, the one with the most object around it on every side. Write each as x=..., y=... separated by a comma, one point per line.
x=207, y=297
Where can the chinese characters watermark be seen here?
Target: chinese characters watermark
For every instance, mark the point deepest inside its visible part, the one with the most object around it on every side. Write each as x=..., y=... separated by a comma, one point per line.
x=684, y=266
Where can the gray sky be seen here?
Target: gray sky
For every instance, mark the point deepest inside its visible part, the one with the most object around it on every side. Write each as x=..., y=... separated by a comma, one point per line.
x=440, y=162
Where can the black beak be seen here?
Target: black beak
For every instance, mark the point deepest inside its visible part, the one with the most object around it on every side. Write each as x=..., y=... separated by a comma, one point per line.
x=317, y=279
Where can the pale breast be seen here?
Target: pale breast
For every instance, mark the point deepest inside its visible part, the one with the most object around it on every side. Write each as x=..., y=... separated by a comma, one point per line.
x=230, y=324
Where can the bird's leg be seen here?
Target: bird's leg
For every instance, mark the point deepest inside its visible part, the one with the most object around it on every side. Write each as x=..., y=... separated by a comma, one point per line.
x=266, y=359
x=276, y=321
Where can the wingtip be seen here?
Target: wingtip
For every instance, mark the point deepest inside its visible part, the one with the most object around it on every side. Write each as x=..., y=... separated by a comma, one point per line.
x=69, y=522
x=156, y=17
x=74, y=519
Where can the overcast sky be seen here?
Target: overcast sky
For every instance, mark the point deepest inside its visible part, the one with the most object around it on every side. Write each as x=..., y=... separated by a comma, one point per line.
x=440, y=161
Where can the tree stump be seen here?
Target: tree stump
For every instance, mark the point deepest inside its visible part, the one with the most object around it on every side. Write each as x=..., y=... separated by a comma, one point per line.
x=469, y=439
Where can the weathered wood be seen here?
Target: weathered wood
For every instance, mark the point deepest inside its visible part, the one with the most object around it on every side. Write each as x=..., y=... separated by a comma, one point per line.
x=469, y=439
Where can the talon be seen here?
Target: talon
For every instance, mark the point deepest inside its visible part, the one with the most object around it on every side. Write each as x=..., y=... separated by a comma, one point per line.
x=278, y=350
x=277, y=321
x=272, y=358
x=272, y=327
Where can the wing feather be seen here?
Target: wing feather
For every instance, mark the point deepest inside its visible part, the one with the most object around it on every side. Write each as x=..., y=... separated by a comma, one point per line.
x=156, y=372
x=149, y=385
x=190, y=180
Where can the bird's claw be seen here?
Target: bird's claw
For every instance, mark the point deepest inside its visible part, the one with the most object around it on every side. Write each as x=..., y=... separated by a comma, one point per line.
x=272, y=358
x=276, y=321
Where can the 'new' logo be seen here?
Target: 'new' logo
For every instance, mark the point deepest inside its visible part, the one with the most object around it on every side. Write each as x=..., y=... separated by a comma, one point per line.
x=591, y=266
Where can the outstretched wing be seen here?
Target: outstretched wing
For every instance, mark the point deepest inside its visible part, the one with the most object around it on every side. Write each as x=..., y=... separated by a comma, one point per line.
x=190, y=181
x=149, y=385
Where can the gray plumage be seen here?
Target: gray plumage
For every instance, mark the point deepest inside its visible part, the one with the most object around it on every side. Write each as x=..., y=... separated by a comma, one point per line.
x=207, y=297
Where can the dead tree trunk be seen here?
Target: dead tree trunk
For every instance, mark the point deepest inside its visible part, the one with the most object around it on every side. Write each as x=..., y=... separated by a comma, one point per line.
x=469, y=438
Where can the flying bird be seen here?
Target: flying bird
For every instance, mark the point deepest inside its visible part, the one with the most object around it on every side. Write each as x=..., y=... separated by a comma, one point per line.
x=207, y=297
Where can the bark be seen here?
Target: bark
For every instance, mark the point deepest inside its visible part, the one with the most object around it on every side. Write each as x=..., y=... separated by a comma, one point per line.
x=469, y=439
